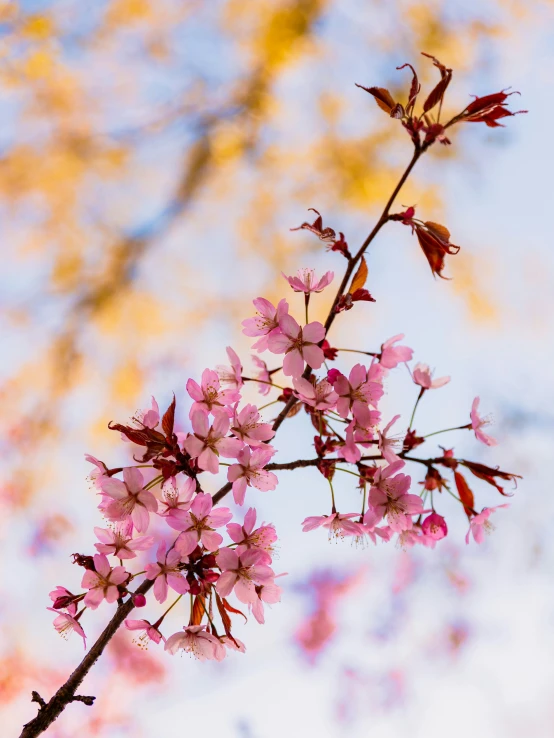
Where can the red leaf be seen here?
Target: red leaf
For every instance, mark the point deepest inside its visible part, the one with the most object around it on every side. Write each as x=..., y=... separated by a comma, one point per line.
x=230, y=608
x=414, y=89
x=225, y=619
x=443, y=70
x=433, y=249
x=487, y=101
x=466, y=495
x=324, y=234
x=362, y=294
x=359, y=278
x=168, y=419
x=382, y=96
x=436, y=95
x=488, y=474
x=198, y=610
x=135, y=435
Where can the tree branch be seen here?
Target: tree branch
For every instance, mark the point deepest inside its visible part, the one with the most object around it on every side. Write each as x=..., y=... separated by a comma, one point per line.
x=49, y=711
x=418, y=151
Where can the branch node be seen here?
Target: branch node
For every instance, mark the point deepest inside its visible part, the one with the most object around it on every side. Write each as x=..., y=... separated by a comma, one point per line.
x=35, y=697
x=82, y=698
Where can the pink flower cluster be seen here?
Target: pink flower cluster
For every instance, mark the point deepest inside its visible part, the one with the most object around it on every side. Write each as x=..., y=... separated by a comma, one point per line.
x=166, y=507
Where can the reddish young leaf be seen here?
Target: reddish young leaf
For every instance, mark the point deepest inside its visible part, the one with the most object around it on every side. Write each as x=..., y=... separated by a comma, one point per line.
x=489, y=109
x=415, y=88
x=433, y=249
x=436, y=95
x=438, y=230
x=487, y=101
x=225, y=619
x=324, y=234
x=434, y=241
x=230, y=608
x=198, y=610
x=341, y=246
x=442, y=69
x=142, y=437
x=359, y=278
x=362, y=294
x=168, y=419
x=466, y=495
x=488, y=474
x=382, y=96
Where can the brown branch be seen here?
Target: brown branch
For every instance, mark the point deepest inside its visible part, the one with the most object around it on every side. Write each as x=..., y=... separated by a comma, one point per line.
x=49, y=711
x=418, y=151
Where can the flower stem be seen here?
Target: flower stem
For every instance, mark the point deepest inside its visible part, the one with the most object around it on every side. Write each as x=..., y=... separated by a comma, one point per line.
x=421, y=393
x=334, y=509
x=446, y=430
x=262, y=407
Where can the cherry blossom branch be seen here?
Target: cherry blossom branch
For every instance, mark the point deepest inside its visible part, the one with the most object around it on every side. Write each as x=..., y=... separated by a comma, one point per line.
x=197, y=562
x=49, y=711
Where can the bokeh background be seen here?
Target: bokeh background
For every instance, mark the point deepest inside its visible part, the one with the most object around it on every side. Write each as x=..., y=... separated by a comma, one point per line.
x=153, y=156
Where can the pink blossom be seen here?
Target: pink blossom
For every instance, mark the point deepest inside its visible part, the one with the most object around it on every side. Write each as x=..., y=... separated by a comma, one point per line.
x=149, y=418
x=269, y=593
x=392, y=355
x=102, y=583
x=242, y=573
x=299, y=345
x=246, y=536
x=387, y=444
x=63, y=598
x=413, y=537
x=65, y=624
x=233, y=644
x=356, y=394
x=98, y=474
x=369, y=525
x=166, y=572
x=321, y=396
x=423, y=376
x=129, y=499
x=389, y=497
x=265, y=322
x=339, y=525
x=177, y=496
x=198, y=525
x=350, y=451
x=119, y=541
x=477, y=423
x=480, y=524
x=249, y=472
x=232, y=375
x=194, y=640
x=149, y=632
x=356, y=433
x=306, y=281
x=209, y=442
x=209, y=397
x=376, y=372
x=248, y=428
x=263, y=377
x=434, y=526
